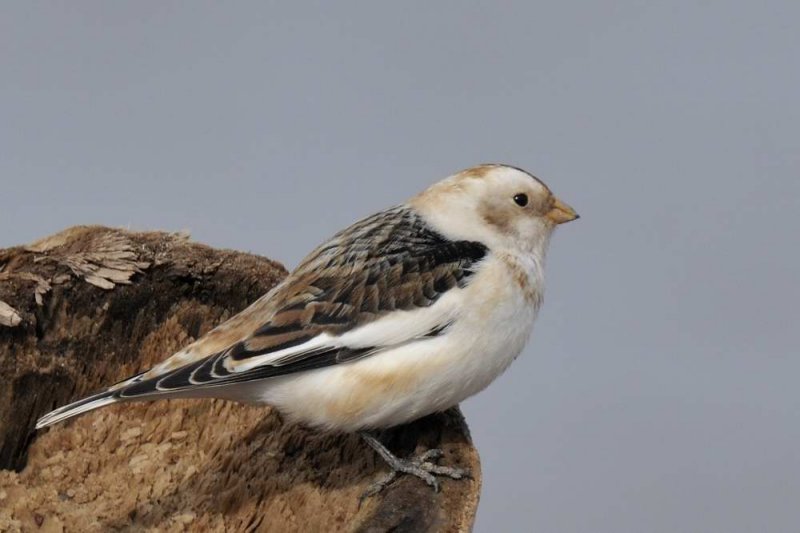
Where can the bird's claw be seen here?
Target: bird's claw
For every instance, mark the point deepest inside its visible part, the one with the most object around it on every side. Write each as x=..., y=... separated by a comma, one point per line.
x=422, y=467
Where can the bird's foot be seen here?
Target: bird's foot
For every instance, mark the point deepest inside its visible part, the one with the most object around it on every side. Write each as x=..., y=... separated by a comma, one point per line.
x=423, y=466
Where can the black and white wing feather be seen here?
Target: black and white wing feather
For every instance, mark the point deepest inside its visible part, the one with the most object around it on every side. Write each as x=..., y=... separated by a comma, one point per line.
x=389, y=262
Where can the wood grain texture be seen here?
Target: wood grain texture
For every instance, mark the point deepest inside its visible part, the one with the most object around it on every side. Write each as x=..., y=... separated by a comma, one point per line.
x=96, y=305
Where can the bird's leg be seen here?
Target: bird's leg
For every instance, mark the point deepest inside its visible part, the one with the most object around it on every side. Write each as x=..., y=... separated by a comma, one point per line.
x=423, y=466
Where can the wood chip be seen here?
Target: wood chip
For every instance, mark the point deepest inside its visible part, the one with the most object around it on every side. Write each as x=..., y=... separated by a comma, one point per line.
x=9, y=316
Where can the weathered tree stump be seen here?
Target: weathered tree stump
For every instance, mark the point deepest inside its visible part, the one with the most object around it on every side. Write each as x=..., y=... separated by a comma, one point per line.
x=90, y=306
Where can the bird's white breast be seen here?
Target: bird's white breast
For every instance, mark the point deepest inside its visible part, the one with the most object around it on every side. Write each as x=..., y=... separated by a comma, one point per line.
x=492, y=318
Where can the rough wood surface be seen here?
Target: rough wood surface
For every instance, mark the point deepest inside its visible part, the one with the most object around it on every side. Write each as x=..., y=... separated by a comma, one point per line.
x=90, y=306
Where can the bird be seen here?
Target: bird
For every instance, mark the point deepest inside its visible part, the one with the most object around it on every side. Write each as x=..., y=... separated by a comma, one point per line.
x=405, y=313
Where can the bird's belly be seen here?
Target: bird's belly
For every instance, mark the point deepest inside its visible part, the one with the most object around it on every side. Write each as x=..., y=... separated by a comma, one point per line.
x=423, y=376
x=405, y=383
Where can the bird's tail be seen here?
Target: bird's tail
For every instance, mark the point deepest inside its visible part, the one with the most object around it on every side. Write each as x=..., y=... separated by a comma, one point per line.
x=121, y=393
x=90, y=403
x=75, y=408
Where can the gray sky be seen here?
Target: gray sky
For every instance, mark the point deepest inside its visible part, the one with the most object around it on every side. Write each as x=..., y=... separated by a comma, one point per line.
x=660, y=391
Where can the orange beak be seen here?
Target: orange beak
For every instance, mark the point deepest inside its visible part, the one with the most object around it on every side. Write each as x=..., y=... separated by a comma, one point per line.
x=561, y=212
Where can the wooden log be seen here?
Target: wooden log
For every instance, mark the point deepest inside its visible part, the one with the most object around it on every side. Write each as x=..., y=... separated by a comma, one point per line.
x=90, y=306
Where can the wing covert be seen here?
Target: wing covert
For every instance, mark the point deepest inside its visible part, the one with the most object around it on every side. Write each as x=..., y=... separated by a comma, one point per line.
x=391, y=261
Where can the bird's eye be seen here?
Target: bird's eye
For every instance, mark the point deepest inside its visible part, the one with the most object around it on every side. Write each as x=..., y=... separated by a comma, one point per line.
x=521, y=199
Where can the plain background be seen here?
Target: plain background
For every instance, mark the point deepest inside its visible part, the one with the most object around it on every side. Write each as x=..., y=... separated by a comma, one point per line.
x=660, y=391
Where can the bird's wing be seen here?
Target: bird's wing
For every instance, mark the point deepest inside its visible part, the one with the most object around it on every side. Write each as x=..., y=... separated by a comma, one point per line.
x=372, y=286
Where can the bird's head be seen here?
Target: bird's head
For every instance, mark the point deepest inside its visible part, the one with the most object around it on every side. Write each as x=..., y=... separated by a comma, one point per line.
x=503, y=207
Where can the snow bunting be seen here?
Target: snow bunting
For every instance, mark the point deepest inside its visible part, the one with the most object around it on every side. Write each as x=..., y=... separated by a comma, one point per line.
x=404, y=313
